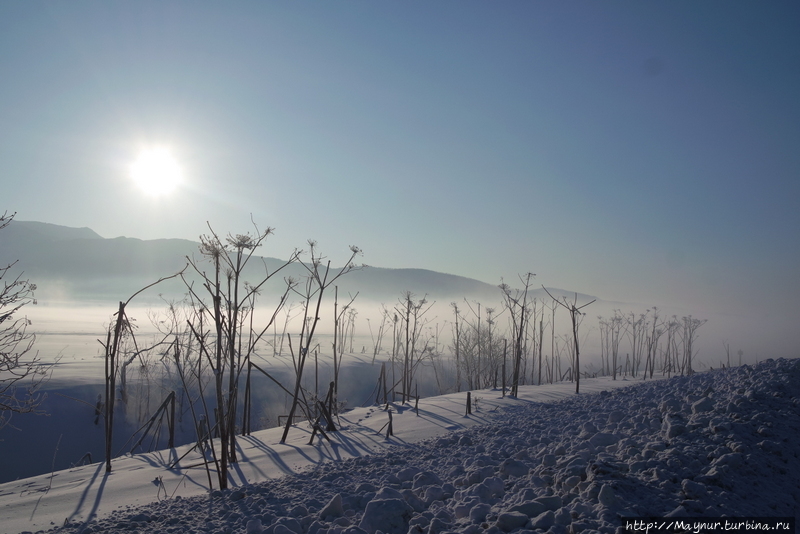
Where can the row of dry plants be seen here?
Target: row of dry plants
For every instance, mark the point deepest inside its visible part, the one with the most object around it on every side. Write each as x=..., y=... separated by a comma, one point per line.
x=518, y=342
x=210, y=344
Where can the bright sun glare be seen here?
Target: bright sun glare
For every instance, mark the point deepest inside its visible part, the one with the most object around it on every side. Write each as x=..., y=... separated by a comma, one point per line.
x=156, y=172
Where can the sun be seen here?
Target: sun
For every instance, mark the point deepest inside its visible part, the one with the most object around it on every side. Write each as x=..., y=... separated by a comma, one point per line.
x=156, y=172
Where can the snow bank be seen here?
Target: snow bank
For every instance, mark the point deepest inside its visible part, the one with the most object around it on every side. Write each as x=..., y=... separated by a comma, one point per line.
x=713, y=444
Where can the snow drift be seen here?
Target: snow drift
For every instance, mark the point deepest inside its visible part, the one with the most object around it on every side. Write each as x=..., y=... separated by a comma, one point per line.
x=721, y=443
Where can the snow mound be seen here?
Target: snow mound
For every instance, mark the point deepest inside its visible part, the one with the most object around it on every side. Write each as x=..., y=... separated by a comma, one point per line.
x=567, y=466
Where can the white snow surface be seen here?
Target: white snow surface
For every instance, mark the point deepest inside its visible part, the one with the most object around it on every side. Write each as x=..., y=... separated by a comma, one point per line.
x=718, y=443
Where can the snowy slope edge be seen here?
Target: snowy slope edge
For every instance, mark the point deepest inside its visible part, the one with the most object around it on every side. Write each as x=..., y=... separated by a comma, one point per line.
x=717, y=443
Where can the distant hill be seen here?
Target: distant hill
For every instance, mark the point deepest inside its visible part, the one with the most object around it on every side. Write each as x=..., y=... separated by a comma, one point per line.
x=22, y=230
x=69, y=262
x=49, y=251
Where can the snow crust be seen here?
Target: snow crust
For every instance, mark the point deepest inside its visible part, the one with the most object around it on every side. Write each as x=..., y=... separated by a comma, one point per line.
x=720, y=443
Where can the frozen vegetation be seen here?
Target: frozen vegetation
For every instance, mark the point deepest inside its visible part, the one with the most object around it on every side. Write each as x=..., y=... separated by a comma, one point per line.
x=718, y=443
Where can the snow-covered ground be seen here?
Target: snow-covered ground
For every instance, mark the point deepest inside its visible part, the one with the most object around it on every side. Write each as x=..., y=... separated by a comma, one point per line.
x=717, y=443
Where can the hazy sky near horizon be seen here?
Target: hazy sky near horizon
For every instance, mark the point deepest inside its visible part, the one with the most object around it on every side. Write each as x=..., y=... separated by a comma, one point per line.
x=636, y=151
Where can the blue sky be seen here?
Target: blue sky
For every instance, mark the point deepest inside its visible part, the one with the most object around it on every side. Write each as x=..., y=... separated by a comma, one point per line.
x=637, y=151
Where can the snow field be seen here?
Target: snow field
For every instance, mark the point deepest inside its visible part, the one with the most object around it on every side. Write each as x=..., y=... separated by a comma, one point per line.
x=713, y=444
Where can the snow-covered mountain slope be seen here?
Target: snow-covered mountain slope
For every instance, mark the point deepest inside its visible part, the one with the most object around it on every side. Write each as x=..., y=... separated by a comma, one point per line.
x=721, y=443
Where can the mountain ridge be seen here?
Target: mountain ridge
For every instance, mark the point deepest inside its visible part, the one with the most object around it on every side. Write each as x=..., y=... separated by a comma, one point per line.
x=92, y=266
